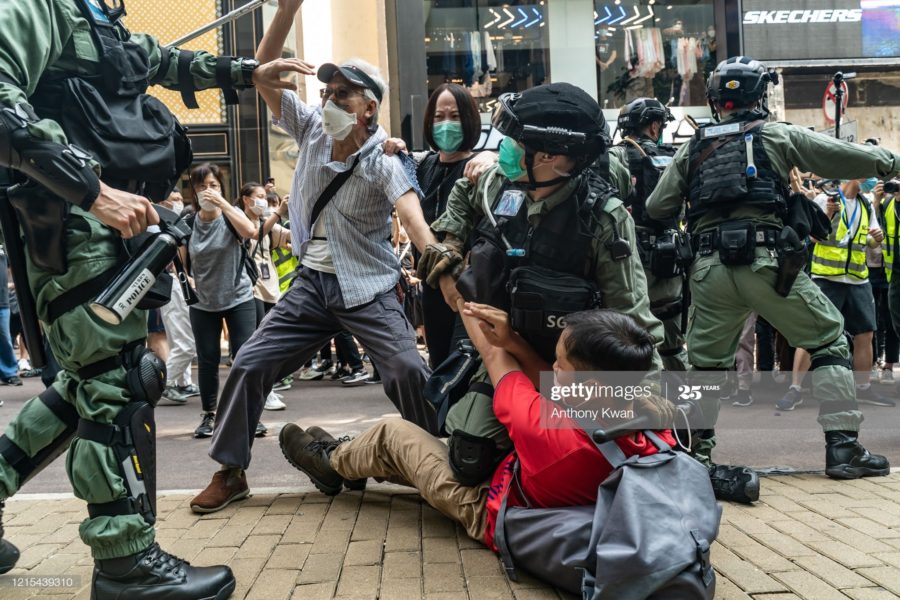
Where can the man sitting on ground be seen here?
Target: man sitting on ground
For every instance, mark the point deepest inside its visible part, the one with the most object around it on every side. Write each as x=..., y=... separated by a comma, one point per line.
x=559, y=464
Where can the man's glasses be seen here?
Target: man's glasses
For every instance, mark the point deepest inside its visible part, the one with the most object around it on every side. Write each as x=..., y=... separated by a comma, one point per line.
x=341, y=94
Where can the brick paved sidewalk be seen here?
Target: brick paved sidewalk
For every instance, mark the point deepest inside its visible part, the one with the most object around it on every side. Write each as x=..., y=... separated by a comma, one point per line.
x=808, y=537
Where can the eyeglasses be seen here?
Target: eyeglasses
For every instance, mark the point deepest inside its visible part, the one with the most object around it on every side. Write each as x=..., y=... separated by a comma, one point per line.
x=341, y=94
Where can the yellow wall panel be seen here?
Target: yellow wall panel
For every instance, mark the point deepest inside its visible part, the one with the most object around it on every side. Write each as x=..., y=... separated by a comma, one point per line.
x=168, y=20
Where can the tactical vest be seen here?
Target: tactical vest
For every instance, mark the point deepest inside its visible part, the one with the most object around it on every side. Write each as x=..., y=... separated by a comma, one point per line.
x=723, y=174
x=545, y=272
x=889, y=246
x=646, y=163
x=140, y=145
x=837, y=256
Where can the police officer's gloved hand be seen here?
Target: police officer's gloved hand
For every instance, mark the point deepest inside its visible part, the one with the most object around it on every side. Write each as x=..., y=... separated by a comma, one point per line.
x=439, y=259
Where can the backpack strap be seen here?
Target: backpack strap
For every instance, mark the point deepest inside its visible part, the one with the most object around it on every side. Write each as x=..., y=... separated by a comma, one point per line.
x=500, y=531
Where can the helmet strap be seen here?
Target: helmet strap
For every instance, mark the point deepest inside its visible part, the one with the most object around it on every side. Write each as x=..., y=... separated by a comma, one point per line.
x=529, y=167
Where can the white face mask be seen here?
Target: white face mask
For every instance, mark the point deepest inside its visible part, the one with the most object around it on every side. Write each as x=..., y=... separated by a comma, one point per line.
x=178, y=207
x=259, y=206
x=336, y=121
x=207, y=205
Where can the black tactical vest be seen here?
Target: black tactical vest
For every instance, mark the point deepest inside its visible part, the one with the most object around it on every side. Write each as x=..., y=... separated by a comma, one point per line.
x=140, y=145
x=718, y=171
x=646, y=167
x=561, y=243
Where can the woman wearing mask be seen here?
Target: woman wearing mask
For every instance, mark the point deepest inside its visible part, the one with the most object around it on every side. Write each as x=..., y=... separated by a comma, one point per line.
x=224, y=287
x=269, y=235
x=452, y=129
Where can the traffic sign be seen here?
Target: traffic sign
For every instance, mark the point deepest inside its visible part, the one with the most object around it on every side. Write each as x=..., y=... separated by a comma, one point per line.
x=829, y=100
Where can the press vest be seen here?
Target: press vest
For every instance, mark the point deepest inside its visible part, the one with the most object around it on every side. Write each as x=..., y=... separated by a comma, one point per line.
x=890, y=246
x=837, y=256
x=718, y=171
x=285, y=267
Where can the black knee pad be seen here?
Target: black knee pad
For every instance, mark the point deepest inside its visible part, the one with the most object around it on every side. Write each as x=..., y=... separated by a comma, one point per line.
x=472, y=458
x=146, y=375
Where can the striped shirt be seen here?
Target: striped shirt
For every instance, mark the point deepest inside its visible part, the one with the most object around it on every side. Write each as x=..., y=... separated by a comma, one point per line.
x=358, y=217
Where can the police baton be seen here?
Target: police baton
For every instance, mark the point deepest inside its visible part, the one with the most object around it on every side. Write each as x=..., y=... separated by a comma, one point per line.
x=839, y=79
x=227, y=18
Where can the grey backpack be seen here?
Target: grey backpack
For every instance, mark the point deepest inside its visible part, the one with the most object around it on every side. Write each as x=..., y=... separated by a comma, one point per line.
x=648, y=536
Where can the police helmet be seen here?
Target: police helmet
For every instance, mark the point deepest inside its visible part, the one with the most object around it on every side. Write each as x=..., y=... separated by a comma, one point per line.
x=639, y=113
x=556, y=118
x=741, y=81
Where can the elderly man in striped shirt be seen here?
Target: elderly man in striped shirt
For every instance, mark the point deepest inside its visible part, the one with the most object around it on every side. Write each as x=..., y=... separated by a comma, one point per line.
x=343, y=191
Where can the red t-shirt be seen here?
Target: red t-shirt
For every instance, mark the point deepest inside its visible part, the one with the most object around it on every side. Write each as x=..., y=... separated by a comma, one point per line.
x=557, y=466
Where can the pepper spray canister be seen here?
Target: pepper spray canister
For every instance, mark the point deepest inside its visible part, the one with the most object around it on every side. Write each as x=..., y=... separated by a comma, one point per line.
x=133, y=282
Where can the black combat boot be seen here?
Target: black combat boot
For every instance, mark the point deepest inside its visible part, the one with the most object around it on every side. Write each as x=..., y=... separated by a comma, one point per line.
x=153, y=574
x=845, y=457
x=734, y=484
x=9, y=554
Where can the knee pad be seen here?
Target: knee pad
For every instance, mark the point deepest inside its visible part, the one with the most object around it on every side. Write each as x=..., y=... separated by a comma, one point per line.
x=146, y=376
x=132, y=438
x=472, y=458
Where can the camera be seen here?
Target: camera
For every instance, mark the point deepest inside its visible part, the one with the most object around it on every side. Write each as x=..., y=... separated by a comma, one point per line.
x=891, y=187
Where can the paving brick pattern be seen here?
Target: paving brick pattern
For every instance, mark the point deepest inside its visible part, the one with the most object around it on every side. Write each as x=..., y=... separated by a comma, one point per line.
x=808, y=538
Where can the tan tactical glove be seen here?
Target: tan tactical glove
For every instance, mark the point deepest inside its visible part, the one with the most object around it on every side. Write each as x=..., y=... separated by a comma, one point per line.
x=439, y=259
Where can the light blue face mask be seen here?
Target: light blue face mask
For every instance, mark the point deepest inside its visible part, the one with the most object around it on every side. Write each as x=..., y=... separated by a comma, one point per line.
x=868, y=185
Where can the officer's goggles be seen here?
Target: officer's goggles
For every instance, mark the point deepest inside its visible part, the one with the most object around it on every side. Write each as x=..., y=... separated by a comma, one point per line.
x=506, y=122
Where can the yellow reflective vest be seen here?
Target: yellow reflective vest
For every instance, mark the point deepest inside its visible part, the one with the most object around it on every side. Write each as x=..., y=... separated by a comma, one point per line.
x=889, y=245
x=840, y=256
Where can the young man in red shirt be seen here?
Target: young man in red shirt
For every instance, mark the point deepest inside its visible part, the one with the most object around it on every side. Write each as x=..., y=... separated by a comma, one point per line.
x=559, y=465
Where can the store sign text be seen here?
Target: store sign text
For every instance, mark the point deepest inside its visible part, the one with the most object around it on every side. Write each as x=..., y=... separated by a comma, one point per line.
x=762, y=17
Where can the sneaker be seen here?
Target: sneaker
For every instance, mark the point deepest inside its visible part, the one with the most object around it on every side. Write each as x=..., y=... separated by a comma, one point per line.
x=324, y=366
x=310, y=374
x=310, y=455
x=227, y=486
x=357, y=377
x=24, y=365
x=341, y=373
x=28, y=373
x=207, y=422
x=173, y=394
x=887, y=377
x=791, y=400
x=321, y=435
x=273, y=402
x=14, y=380
x=261, y=430
x=188, y=391
x=742, y=398
x=734, y=484
x=873, y=374
x=868, y=395
x=373, y=380
x=284, y=384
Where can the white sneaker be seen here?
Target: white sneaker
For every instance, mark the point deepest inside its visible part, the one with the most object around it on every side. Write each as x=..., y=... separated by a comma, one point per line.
x=273, y=402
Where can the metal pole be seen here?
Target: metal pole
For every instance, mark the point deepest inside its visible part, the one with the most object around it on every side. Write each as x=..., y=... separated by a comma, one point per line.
x=227, y=18
x=838, y=101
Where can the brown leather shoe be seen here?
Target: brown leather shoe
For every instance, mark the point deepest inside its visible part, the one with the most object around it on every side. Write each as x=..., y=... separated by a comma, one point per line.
x=226, y=487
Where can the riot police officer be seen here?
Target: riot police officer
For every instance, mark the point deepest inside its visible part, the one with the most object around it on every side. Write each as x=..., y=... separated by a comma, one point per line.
x=549, y=236
x=641, y=123
x=85, y=148
x=735, y=176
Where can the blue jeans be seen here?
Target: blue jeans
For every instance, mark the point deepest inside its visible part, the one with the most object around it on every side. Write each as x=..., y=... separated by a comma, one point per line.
x=9, y=366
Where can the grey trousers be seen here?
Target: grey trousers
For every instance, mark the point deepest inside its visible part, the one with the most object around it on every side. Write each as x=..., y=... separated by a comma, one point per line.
x=309, y=314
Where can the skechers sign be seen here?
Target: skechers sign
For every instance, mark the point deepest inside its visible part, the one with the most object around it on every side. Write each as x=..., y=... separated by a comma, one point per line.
x=821, y=30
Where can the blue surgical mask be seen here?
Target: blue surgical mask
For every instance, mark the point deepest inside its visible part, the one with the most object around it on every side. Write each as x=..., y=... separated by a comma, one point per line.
x=510, y=159
x=448, y=135
x=868, y=185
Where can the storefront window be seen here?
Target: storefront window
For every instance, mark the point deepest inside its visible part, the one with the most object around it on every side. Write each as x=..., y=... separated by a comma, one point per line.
x=654, y=49
x=489, y=46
